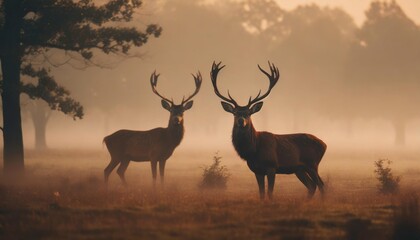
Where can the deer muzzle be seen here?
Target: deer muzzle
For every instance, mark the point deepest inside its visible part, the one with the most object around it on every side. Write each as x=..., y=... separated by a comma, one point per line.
x=177, y=119
x=241, y=122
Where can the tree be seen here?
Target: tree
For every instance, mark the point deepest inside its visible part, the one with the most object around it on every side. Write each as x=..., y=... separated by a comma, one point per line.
x=54, y=96
x=382, y=68
x=40, y=115
x=312, y=52
x=57, y=98
x=261, y=18
x=33, y=27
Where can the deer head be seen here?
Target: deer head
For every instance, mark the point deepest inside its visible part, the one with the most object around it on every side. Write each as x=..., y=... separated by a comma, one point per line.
x=243, y=113
x=176, y=110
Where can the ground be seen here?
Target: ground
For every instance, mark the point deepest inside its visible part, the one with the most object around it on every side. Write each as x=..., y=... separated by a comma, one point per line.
x=63, y=197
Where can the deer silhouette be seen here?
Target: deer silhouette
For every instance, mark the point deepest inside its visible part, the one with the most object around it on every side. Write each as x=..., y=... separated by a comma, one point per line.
x=268, y=154
x=155, y=145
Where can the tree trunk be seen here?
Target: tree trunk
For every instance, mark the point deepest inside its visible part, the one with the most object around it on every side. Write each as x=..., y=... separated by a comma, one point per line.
x=40, y=115
x=399, y=127
x=10, y=65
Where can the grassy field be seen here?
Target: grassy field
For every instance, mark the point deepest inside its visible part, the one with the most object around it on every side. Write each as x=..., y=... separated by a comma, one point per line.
x=63, y=197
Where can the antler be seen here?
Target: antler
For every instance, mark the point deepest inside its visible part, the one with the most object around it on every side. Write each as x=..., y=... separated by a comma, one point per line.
x=213, y=75
x=197, y=79
x=273, y=78
x=153, y=82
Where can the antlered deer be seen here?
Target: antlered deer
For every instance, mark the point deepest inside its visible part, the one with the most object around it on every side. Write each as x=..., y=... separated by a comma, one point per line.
x=155, y=145
x=268, y=154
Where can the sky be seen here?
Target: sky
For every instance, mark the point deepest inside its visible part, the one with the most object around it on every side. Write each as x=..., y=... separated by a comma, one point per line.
x=356, y=8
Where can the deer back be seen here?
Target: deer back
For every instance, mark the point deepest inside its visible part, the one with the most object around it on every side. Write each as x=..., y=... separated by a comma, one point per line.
x=299, y=149
x=144, y=145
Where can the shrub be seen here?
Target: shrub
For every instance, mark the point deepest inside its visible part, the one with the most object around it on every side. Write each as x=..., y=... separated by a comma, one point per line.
x=215, y=176
x=388, y=183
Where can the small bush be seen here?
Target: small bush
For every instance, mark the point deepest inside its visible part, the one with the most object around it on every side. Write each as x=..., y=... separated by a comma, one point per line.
x=388, y=183
x=215, y=176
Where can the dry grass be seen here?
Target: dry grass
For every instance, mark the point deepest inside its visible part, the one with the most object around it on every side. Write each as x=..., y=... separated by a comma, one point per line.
x=63, y=197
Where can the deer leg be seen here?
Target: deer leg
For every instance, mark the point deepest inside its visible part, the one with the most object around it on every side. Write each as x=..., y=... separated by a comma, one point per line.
x=162, y=171
x=109, y=168
x=261, y=185
x=271, y=177
x=307, y=181
x=154, y=171
x=320, y=184
x=316, y=179
x=121, y=171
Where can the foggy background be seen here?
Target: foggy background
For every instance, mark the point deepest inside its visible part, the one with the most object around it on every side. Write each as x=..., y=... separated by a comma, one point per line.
x=349, y=74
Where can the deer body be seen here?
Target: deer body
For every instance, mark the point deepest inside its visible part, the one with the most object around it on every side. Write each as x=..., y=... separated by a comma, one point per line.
x=268, y=154
x=140, y=146
x=155, y=145
x=287, y=153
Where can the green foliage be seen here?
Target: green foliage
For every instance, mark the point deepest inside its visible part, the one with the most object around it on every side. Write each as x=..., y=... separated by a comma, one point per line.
x=215, y=176
x=388, y=183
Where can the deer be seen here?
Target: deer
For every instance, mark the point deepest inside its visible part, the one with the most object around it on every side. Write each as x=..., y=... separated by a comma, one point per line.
x=266, y=153
x=155, y=145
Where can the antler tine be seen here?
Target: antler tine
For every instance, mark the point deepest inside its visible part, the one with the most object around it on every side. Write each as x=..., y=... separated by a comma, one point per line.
x=231, y=99
x=198, y=80
x=273, y=78
x=250, y=98
x=153, y=81
x=213, y=75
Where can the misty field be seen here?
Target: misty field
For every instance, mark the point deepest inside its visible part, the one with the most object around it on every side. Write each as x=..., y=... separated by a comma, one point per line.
x=64, y=197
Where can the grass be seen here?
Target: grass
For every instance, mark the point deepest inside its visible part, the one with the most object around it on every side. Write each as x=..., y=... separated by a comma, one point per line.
x=407, y=219
x=64, y=198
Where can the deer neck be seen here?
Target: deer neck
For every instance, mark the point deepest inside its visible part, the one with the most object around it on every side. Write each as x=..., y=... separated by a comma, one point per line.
x=245, y=141
x=175, y=133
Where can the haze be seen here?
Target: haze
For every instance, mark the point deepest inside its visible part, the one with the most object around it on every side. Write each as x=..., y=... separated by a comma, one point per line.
x=356, y=8
x=333, y=85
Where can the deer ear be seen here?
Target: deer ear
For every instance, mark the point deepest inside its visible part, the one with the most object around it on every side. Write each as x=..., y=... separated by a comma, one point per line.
x=166, y=105
x=227, y=107
x=256, y=107
x=188, y=105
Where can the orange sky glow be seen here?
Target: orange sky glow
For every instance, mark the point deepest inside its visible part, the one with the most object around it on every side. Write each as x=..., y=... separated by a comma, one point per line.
x=357, y=8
